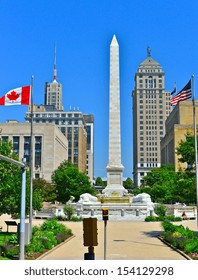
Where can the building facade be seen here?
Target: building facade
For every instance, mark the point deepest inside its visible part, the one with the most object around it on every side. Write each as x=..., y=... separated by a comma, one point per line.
x=50, y=146
x=71, y=124
x=151, y=107
x=89, y=120
x=180, y=121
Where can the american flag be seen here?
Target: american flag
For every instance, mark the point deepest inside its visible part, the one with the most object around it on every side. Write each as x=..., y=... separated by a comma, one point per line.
x=184, y=94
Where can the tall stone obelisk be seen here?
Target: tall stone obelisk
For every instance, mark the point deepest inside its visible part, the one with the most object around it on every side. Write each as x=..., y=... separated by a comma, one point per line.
x=114, y=167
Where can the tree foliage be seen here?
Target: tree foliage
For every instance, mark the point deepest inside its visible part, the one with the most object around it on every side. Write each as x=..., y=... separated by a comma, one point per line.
x=69, y=181
x=99, y=182
x=46, y=190
x=186, y=150
x=10, y=181
x=164, y=185
x=128, y=184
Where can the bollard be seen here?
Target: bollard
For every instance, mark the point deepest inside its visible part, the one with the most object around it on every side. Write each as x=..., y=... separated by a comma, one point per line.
x=151, y=212
x=122, y=213
x=78, y=212
x=137, y=212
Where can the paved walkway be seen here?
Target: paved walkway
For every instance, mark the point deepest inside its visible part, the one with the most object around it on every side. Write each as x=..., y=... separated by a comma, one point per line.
x=126, y=240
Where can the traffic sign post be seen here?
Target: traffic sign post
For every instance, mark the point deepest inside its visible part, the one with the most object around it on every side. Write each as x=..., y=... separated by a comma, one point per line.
x=105, y=217
x=90, y=237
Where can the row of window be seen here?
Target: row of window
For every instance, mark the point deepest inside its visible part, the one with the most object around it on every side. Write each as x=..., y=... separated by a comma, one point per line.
x=148, y=143
x=148, y=117
x=151, y=106
x=27, y=147
x=149, y=165
x=148, y=94
x=151, y=122
x=149, y=160
x=149, y=154
x=59, y=122
x=154, y=127
x=149, y=149
x=150, y=70
x=151, y=112
x=56, y=115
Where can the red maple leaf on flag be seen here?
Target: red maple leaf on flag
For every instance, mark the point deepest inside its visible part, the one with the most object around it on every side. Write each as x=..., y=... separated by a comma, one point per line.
x=13, y=95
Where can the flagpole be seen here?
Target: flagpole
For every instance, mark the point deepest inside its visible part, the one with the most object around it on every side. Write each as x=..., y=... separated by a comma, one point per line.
x=195, y=136
x=31, y=154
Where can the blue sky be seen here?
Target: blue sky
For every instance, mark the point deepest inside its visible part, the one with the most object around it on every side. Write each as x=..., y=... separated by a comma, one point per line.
x=83, y=30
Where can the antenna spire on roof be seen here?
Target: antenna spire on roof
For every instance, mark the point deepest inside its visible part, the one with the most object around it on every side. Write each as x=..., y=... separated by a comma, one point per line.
x=55, y=72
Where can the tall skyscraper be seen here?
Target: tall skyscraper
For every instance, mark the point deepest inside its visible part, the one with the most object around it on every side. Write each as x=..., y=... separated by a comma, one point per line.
x=53, y=90
x=151, y=107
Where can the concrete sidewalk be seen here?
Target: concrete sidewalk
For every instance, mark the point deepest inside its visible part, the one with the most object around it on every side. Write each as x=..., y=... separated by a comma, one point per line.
x=125, y=241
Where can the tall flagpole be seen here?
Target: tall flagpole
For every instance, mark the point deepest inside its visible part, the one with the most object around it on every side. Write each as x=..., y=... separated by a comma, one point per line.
x=31, y=154
x=195, y=136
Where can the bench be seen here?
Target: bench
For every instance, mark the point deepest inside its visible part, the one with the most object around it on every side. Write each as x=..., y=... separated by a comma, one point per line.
x=11, y=223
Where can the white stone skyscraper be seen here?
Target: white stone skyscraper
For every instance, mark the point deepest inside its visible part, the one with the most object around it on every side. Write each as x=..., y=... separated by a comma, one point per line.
x=151, y=107
x=114, y=167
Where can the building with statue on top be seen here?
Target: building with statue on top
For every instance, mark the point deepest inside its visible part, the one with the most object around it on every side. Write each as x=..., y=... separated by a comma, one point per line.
x=150, y=109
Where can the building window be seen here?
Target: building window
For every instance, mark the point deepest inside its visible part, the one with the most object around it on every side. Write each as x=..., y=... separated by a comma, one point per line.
x=38, y=147
x=4, y=138
x=16, y=144
x=27, y=149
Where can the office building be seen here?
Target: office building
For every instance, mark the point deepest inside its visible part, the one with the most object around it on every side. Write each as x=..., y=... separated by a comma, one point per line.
x=151, y=107
x=50, y=146
x=89, y=121
x=71, y=124
x=180, y=121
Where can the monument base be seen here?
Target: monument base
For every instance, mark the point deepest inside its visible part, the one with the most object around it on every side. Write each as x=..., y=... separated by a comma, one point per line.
x=114, y=191
x=115, y=200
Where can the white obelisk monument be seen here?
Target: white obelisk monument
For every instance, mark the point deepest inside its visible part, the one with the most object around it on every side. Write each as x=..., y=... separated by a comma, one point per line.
x=114, y=167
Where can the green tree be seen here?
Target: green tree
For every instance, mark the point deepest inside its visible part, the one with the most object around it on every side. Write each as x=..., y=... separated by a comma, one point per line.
x=160, y=184
x=128, y=184
x=47, y=190
x=185, y=192
x=186, y=151
x=99, y=182
x=69, y=181
x=10, y=181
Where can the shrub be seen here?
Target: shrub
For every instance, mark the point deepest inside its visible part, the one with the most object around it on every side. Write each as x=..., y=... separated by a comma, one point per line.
x=151, y=219
x=13, y=239
x=76, y=219
x=52, y=226
x=48, y=240
x=69, y=210
x=180, y=237
x=168, y=226
x=9, y=250
x=160, y=209
x=191, y=246
x=36, y=245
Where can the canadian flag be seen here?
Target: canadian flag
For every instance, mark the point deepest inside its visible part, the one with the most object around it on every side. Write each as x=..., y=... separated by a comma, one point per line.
x=17, y=96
